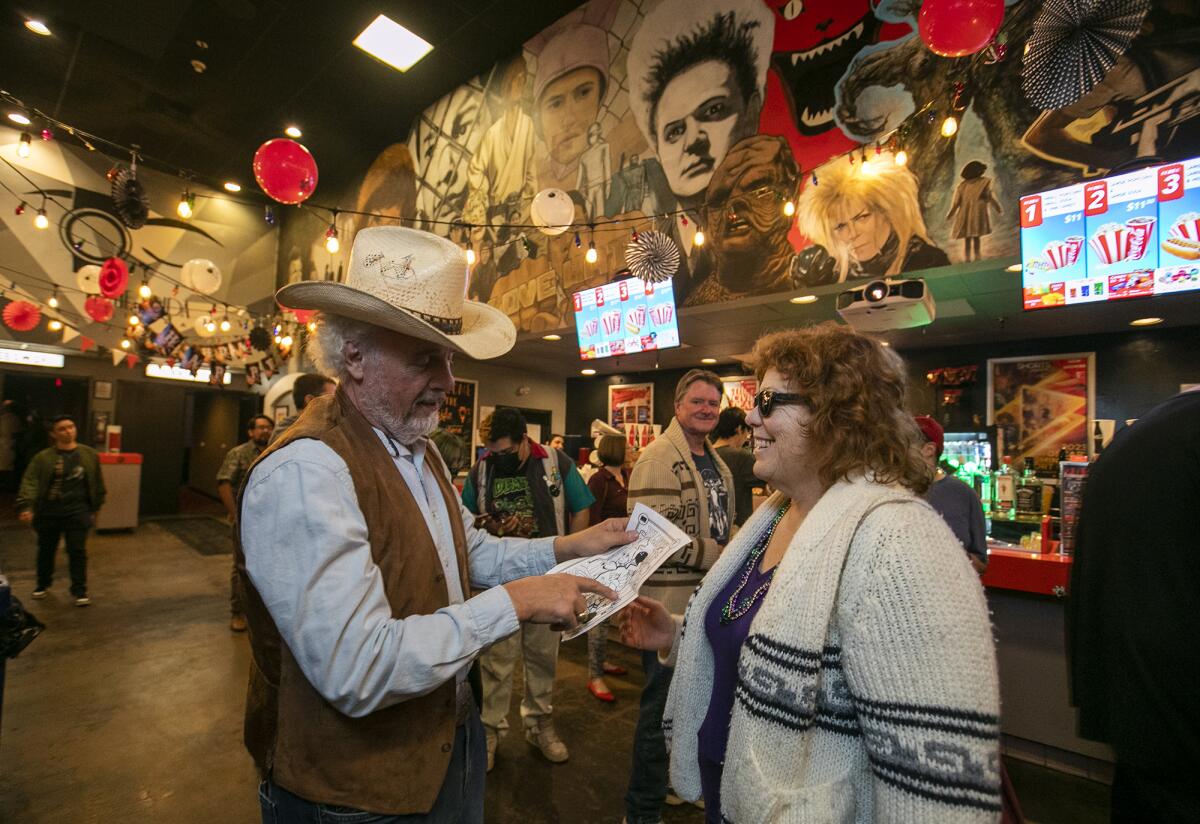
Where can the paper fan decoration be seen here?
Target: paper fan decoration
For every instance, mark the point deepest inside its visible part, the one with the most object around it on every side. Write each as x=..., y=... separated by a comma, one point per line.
x=129, y=198
x=260, y=339
x=653, y=257
x=21, y=316
x=98, y=309
x=114, y=277
x=1073, y=45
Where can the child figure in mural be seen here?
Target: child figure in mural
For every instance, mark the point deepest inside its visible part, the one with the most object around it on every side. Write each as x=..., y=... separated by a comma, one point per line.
x=864, y=221
x=972, y=199
x=595, y=171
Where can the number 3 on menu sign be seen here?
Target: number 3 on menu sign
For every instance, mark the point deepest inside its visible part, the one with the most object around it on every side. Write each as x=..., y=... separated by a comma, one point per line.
x=1170, y=182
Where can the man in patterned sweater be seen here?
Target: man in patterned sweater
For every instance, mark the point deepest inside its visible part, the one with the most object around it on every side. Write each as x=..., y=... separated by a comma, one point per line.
x=680, y=476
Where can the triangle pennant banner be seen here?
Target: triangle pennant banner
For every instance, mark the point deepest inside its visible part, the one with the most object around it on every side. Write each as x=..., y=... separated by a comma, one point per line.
x=117, y=357
x=69, y=334
x=130, y=360
x=86, y=343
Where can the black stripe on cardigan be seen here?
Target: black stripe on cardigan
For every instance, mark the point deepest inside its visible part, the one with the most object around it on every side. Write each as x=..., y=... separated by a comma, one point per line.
x=872, y=718
x=952, y=792
x=916, y=709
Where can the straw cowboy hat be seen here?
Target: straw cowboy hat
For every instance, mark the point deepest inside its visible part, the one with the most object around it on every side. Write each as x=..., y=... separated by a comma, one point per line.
x=411, y=282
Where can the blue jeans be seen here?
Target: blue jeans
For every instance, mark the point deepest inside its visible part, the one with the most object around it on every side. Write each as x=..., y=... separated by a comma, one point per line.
x=460, y=800
x=648, y=776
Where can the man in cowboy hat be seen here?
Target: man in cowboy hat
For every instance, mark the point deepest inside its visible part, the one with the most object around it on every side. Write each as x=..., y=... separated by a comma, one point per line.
x=357, y=556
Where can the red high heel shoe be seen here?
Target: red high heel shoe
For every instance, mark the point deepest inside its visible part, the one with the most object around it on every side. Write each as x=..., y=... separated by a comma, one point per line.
x=602, y=695
x=614, y=669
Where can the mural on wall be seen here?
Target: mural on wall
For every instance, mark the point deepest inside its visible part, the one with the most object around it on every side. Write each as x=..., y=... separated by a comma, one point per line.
x=94, y=253
x=709, y=115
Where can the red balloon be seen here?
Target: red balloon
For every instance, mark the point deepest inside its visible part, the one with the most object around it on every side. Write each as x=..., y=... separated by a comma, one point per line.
x=114, y=277
x=99, y=309
x=954, y=28
x=285, y=170
x=21, y=316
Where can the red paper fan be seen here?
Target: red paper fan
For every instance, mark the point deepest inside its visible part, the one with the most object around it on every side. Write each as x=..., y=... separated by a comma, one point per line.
x=21, y=316
x=114, y=277
x=99, y=309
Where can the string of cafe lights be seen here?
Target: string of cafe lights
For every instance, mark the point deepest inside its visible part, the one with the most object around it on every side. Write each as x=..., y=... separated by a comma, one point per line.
x=895, y=141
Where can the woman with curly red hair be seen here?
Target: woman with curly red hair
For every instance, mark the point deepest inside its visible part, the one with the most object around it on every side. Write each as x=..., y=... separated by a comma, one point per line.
x=836, y=664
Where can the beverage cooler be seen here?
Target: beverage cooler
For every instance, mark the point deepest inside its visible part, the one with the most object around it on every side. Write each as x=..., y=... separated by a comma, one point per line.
x=122, y=472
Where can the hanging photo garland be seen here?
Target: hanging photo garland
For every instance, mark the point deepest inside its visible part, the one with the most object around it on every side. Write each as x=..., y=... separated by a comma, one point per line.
x=653, y=257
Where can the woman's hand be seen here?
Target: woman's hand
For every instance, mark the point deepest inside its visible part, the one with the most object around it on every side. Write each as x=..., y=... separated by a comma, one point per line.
x=646, y=624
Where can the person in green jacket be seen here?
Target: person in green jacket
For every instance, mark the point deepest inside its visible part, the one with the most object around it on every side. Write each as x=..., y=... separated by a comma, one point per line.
x=61, y=491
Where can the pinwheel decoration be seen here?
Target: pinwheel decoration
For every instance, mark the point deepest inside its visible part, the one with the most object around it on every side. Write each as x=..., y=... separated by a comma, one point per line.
x=653, y=257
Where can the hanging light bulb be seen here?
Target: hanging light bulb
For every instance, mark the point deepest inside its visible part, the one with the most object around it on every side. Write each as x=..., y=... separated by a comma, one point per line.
x=312, y=326
x=225, y=325
x=41, y=221
x=591, y=255
x=332, y=244
x=144, y=291
x=187, y=204
x=53, y=301
x=125, y=344
x=470, y=256
x=901, y=158
x=949, y=126
x=26, y=145
x=578, y=241
x=286, y=341
x=698, y=240
x=269, y=216
x=134, y=320
x=54, y=325
x=634, y=236
x=278, y=338
x=815, y=181
x=789, y=207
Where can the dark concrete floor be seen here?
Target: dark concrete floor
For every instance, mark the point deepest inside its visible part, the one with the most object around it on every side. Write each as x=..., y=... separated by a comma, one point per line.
x=130, y=710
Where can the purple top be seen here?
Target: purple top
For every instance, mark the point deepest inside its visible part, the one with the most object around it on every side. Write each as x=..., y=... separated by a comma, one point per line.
x=726, y=641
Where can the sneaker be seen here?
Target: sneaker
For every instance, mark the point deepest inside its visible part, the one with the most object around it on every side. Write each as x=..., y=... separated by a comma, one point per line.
x=673, y=800
x=543, y=736
x=39, y=594
x=82, y=601
x=493, y=740
x=237, y=624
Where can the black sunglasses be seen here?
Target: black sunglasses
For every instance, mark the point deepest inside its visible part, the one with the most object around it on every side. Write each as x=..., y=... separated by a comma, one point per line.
x=766, y=400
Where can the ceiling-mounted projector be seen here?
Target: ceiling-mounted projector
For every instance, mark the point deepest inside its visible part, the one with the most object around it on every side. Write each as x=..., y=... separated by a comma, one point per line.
x=887, y=304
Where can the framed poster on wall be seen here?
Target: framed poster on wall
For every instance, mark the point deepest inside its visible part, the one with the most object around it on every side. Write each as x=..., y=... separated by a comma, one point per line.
x=630, y=403
x=1040, y=403
x=739, y=392
x=460, y=410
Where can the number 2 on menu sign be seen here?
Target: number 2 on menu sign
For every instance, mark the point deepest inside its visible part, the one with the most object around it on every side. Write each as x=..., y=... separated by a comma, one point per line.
x=1095, y=198
x=1170, y=182
x=1031, y=211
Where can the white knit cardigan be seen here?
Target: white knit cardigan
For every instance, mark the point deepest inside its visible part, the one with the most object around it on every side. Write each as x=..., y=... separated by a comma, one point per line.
x=867, y=688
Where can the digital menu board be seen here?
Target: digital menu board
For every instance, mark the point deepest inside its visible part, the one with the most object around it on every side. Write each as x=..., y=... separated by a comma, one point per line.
x=1132, y=235
x=625, y=317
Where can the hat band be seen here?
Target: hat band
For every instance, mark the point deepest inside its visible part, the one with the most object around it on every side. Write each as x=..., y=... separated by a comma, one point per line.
x=447, y=326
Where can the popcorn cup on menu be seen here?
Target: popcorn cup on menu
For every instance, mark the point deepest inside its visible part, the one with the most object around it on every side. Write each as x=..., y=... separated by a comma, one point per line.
x=1137, y=240
x=1056, y=253
x=611, y=321
x=638, y=316
x=1108, y=243
x=1187, y=226
x=591, y=327
x=1074, y=244
x=662, y=314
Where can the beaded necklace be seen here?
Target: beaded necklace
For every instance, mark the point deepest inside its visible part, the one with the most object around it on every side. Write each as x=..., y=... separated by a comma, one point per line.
x=732, y=610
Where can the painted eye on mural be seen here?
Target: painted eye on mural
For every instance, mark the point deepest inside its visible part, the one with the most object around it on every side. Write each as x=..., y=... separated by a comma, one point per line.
x=793, y=9
x=716, y=108
x=584, y=91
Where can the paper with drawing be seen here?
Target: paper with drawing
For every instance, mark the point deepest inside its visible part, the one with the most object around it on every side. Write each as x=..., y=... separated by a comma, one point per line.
x=626, y=568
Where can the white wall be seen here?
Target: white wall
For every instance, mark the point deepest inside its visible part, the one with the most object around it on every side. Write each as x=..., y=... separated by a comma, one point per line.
x=498, y=386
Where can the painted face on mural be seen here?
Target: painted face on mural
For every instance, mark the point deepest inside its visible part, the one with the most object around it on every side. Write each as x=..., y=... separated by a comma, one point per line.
x=861, y=227
x=567, y=108
x=700, y=115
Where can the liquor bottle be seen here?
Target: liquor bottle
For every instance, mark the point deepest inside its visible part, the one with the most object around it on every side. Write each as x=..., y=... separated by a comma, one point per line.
x=1004, y=489
x=1029, y=492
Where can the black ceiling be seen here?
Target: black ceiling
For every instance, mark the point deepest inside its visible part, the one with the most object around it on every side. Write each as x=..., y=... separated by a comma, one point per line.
x=122, y=70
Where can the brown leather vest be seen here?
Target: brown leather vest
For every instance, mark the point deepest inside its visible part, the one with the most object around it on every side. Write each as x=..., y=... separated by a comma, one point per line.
x=392, y=761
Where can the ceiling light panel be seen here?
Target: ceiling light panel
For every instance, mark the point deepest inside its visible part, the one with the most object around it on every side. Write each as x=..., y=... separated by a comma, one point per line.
x=388, y=41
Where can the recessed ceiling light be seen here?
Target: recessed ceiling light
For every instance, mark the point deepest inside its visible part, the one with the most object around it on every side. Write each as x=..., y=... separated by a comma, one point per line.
x=230, y=186
x=293, y=131
x=804, y=299
x=388, y=41
x=708, y=360
x=38, y=27
x=17, y=117
x=587, y=371
x=1016, y=267
x=551, y=337
x=1145, y=321
x=884, y=343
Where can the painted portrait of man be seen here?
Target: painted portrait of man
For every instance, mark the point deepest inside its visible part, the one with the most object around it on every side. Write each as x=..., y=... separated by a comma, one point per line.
x=568, y=90
x=697, y=74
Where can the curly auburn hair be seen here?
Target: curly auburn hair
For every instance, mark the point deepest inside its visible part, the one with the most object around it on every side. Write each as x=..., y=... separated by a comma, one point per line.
x=855, y=389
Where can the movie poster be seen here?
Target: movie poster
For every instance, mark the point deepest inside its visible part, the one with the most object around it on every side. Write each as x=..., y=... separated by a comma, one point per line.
x=458, y=414
x=630, y=404
x=1040, y=403
x=739, y=392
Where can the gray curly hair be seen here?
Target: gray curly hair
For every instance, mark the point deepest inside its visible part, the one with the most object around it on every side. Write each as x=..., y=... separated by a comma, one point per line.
x=326, y=347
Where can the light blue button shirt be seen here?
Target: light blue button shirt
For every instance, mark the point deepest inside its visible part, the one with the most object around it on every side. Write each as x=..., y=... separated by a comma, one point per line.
x=309, y=558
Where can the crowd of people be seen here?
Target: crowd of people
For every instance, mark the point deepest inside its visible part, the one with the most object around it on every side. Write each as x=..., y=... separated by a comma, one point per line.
x=820, y=652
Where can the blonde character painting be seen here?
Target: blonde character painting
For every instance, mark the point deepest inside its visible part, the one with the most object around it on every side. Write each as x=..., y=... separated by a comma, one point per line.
x=865, y=221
